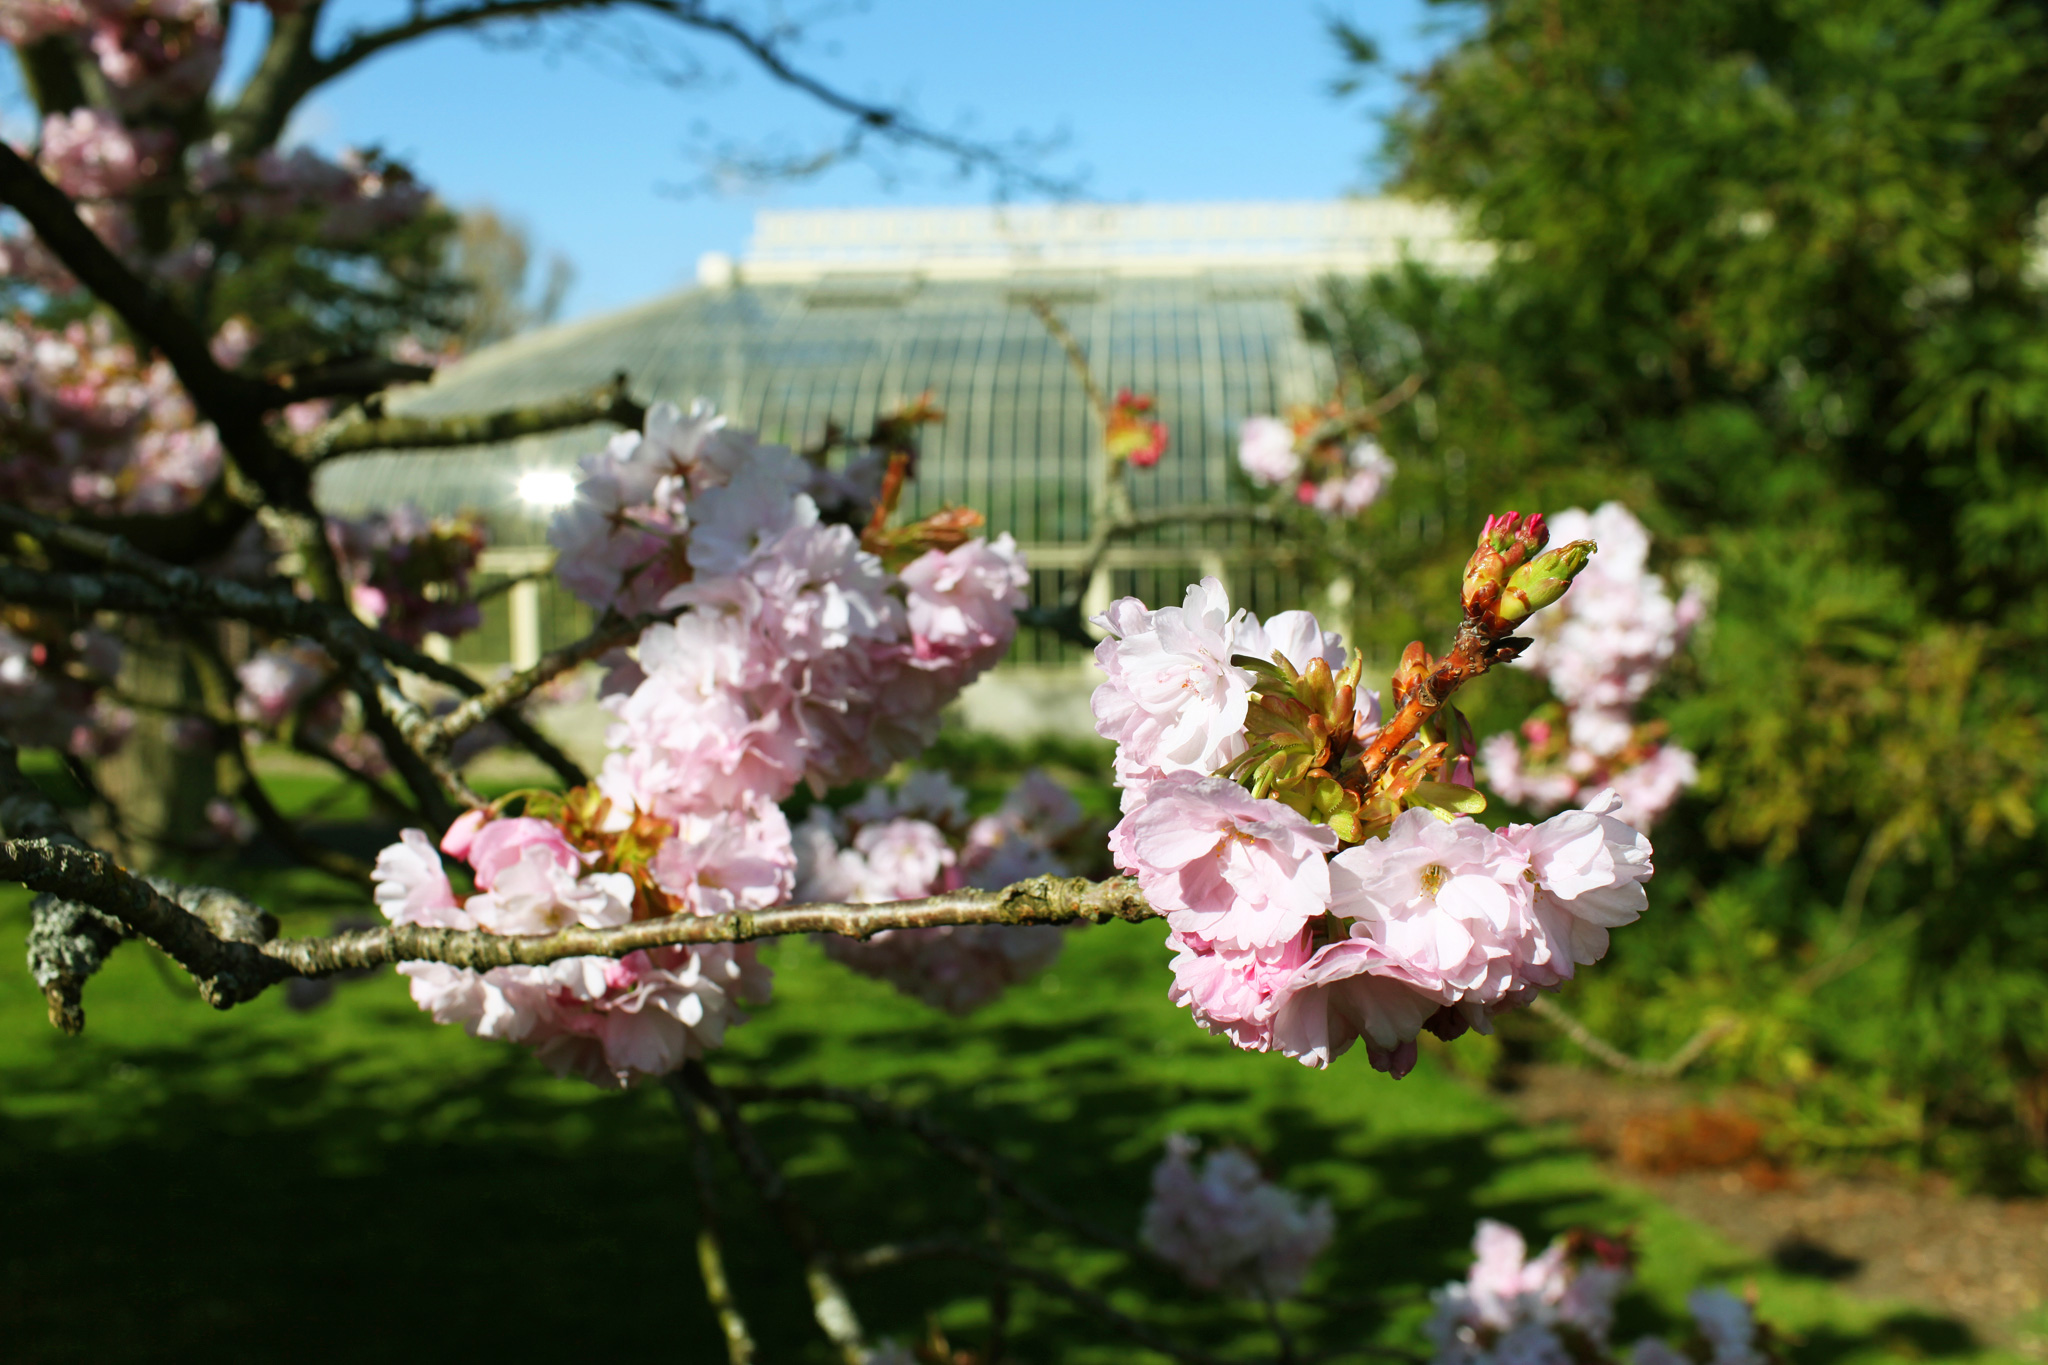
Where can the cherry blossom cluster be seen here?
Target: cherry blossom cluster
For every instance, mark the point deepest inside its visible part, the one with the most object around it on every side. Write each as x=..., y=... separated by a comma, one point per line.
x=1301, y=935
x=799, y=654
x=86, y=424
x=351, y=201
x=1558, y=1309
x=918, y=840
x=1331, y=463
x=52, y=676
x=153, y=53
x=796, y=655
x=1225, y=1227
x=1601, y=648
x=607, y=1020
x=409, y=574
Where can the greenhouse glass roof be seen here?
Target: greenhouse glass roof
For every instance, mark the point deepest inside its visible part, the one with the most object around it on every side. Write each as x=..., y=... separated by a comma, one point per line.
x=837, y=317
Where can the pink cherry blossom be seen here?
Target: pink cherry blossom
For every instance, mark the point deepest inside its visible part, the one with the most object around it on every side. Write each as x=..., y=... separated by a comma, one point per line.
x=1223, y=864
x=1367, y=468
x=728, y=860
x=1226, y=1227
x=1265, y=450
x=963, y=602
x=1588, y=867
x=276, y=678
x=86, y=425
x=1447, y=898
x=1648, y=789
x=411, y=886
x=1172, y=701
x=1236, y=991
x=51, y=678
x=1351, y=989
x=1510, y=1308
x=89, y=154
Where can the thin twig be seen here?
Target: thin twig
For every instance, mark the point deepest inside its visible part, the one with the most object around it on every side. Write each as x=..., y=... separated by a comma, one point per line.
x=1058, y=1285
x=1609, y=1055
x=984, y=1164
x=999, y=1281
x=1281, y=1335
x=739, y=1342
x=833, y=1310
x=497, y=699
x=1077, y=359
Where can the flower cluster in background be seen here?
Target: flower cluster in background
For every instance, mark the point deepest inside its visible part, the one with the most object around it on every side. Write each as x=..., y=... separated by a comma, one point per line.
x=796, y=656
x=1331, y=464
x=409, y=574
x=1227, y=1228
x=349, y=201
x=1558, y=1309
x=918, y=840
x=1601, y=647
x=52, y=676
x=1284, y=938
x=86, y=424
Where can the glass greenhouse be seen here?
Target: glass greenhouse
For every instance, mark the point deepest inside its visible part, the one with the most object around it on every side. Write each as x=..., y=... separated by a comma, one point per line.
x=835, y=316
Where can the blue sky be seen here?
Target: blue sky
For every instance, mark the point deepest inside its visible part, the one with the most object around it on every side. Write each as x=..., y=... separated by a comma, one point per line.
x=1159, y=100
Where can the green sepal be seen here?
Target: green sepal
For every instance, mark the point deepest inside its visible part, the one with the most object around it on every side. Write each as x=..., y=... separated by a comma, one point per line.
x=1446, y=799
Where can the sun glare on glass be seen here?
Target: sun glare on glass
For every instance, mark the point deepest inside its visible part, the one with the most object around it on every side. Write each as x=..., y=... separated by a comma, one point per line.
x=547, y=489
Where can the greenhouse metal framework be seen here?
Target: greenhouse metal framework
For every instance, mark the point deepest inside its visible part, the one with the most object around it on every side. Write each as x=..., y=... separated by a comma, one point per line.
x=834, y=316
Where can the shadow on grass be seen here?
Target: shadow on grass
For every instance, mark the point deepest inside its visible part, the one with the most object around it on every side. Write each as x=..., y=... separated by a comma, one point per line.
x=359, y=1185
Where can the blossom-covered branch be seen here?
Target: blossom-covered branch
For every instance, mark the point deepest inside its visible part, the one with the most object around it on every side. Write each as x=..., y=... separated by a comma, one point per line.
x=1040, y=900
x=233, y=403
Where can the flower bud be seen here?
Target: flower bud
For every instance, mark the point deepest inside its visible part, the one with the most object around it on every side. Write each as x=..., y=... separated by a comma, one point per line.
x=1416, y=665
x=1505, y=543
x=1542, y=581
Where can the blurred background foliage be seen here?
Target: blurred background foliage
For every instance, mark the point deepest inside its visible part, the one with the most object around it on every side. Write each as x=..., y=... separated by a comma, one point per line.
x=1771, y=273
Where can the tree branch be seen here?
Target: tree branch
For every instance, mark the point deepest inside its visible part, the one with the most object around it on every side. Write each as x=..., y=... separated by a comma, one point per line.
x=495, y=700
x=287, y=72
x=234, y=404
x=739, y=1342
x=1473, y=652
x=1039, y=900
x=356, y=435
x=978, y=1161
x=143, y=584
x=829, y=1303
x=350, y=377
x=764, y=48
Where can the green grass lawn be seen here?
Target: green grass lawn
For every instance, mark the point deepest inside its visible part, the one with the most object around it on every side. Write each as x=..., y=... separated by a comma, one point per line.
x=357, y=1183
